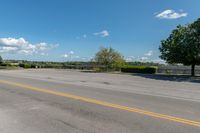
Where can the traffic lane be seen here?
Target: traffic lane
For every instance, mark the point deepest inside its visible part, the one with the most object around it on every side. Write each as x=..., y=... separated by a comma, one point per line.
x=120, y=82
x=31, y=112
x=174, y=107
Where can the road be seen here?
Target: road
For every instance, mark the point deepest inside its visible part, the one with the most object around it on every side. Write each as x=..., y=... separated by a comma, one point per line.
x=63, y=101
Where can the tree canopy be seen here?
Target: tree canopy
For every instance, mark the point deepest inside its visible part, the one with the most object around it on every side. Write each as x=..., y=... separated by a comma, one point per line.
x=1, y=60
x=109, y=57
x=183, y=46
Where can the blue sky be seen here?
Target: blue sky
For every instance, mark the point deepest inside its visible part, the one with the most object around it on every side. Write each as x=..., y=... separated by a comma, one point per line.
x=62, y=30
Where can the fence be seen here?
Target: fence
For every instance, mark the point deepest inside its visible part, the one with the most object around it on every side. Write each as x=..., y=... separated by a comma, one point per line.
x=176, y=70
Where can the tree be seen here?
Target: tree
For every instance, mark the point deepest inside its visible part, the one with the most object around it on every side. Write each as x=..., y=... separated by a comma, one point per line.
x=183, y=46
x=1, y=60
x=109, y=58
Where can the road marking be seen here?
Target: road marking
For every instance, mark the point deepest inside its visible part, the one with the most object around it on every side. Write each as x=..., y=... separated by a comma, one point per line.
x=106, y=104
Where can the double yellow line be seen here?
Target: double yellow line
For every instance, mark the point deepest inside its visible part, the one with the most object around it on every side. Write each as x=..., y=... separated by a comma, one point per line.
x=106, y=104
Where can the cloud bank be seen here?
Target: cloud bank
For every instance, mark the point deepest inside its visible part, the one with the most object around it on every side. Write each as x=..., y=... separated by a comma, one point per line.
x=21, y=46
x=149, y=53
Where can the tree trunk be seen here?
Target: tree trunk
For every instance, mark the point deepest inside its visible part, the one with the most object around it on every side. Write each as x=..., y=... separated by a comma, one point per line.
x=193, y=70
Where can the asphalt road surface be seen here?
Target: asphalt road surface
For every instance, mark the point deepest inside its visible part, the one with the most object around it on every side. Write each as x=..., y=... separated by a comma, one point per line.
x=63, y=101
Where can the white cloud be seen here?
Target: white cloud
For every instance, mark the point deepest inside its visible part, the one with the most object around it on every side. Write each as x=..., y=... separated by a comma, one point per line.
x=44, y=54
x=160, y=61
x=85, y=58
x=130, y=58
x=103, y=33
x=7, y=49
x=171, y=14
x=21, y=46
x=71, y=56
x=138, y=58
x=149, y=53
x=71, y=52
x=144, y=58
x=65, y=55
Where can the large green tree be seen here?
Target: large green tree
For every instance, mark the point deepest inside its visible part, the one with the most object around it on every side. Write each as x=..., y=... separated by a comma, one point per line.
x=109, y=58
x=1, y=60
x=183, y=46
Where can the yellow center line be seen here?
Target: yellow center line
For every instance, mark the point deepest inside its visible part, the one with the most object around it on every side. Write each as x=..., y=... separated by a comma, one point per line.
x=106, y=104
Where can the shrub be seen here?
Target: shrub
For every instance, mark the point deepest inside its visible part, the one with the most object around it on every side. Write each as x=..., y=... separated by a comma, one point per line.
x=139, y=69
x=110, y=58
x=25, y=65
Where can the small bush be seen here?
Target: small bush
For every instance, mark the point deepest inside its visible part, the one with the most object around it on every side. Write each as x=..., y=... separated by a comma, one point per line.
x=25, y=65
x=138, y=69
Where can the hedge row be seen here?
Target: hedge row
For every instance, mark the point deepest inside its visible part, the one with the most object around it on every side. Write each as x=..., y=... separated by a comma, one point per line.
x=26, y=65
x=138, y=69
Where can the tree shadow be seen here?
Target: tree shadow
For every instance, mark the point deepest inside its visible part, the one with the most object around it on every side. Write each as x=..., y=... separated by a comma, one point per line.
x=175, y=78
x=89, y=71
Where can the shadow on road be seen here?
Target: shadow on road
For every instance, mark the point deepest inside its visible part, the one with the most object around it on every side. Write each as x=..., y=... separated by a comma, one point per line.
x=89, y=71
x=175, y=78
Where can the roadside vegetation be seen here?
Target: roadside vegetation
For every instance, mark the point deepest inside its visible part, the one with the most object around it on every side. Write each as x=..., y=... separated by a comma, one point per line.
x=139, y=69
x=106, y=60
x=128, y=67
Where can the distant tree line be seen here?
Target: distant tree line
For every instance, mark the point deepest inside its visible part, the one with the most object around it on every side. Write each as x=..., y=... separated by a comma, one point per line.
x=106, y=59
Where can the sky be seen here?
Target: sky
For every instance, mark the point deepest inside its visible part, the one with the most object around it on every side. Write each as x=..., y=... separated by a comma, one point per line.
x=74, y=30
